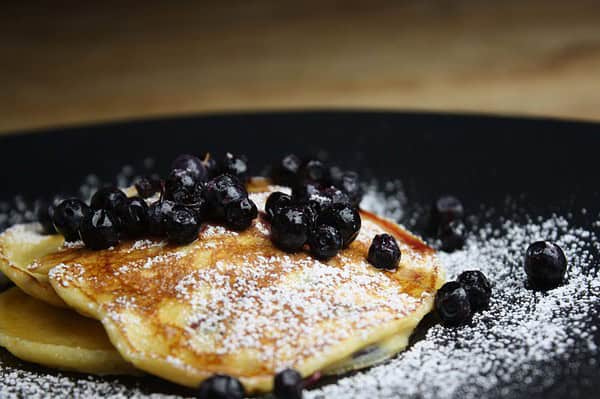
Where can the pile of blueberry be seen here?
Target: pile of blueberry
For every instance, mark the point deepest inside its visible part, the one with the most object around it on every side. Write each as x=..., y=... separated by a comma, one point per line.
x=287, y=384
x=194, y=192
x=322, y=212
x=446, y=223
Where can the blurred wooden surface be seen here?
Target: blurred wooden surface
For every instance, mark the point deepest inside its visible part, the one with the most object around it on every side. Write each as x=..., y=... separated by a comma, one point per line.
x=70, y=62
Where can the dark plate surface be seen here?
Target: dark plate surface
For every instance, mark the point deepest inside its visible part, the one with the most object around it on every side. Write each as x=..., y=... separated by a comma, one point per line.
x=549, y=166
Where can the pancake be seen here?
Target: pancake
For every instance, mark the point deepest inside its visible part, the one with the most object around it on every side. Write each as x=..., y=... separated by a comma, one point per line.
x=37, y=332
x=175, y=341
x=233, y=303
x=20, y=246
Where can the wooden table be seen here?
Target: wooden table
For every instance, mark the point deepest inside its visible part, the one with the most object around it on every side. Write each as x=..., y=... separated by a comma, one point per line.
x=81, y=63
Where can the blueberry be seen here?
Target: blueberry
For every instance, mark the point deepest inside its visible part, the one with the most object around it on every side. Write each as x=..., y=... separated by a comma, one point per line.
x=182, y=226
x=239, y=214
x=343, y=217
x=221, y=386
x=384, y=252
x=192, y=164
x=545, y=265
x=133, y=217
x=54, y=202
x=478, y=289
x=108, y=198
x=222, y=190
x=275, y=202
x=314, y=171
x=444, y=210
x=98, y=230
x=157, y=217
x=288, y=384
x=349, y=183
x=181, y=186
x=325, y=242
x=452, y=235
x=303, y=192
x=42, y=214
x=147, y=186
x=452, y=304
x=211, y=165
x=289, y=229
x=285, y=172
x=67, y=217
x=337, y=196
x=335, y=174
x=236, y=166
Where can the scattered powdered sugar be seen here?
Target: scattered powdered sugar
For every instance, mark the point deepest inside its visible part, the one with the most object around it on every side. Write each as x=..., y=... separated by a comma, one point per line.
x=73, y=244
x=28, y=233
x=145, y=244
x=388, y=202
x=525, y=342
x=239, y=311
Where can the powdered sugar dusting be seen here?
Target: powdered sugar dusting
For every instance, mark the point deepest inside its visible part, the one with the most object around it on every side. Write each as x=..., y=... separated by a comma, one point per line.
x=145, y=244
x=289, y=312
x=28, y=233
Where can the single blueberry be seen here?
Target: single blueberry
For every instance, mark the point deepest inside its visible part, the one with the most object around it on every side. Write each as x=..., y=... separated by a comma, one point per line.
x=98, y=230
x=182, y=226
x=452, y=235
x=285, y=171
x=133, y=217
x=239, y=214
x=545, y=265
x=324, y=242
x=236, y=166
x=289, y=229
x=67, y=217
x=192, y=164
x=444, y=210
x=108, y=198
x=314, y=171
x=288, y=384
x=384, y=252
x=452, y=304
x=479, y=289
x=221, y=386
x=275, y=202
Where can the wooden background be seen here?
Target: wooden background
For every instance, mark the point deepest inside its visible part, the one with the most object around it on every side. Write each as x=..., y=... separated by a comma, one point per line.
x=69, y=63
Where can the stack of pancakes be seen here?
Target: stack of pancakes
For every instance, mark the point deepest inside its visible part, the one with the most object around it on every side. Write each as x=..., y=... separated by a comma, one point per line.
x=228, y=303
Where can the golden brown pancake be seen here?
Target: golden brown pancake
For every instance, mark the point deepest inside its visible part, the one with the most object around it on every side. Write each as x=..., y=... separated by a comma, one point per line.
x=233, y=303
x=20, y=246
x=37, y=332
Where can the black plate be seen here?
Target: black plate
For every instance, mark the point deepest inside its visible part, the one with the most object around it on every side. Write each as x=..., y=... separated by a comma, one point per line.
x=549, y=165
